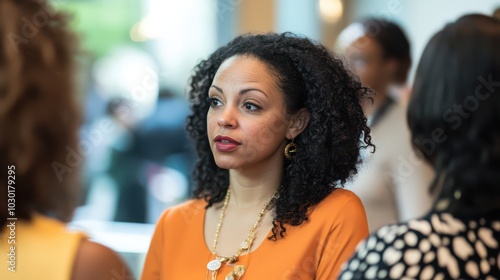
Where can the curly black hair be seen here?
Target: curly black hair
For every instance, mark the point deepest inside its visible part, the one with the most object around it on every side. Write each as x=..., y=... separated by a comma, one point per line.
x=310, y=77
x=453, y=113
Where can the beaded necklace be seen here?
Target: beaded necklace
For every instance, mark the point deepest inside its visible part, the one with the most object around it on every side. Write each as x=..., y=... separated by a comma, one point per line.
x=238, y=271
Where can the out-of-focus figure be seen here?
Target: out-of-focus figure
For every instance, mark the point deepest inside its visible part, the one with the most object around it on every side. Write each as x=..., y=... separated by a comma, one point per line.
x=40, y=151
x=392, y=183
x=168, y=154
x=453, y=117
x=496, y=13
x=127, y=80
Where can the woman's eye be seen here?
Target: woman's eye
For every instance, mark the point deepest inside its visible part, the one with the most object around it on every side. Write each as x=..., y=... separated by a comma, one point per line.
x=251, y=107
x=214, y=102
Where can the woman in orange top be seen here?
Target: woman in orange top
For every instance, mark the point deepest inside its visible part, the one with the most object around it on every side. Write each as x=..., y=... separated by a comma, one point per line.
x=277, y=122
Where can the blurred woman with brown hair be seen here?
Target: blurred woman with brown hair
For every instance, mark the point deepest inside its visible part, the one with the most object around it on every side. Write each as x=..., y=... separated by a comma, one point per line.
x=39, y=121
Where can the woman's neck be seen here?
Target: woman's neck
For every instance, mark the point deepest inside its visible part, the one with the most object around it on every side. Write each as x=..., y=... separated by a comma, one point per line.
x=252, y=188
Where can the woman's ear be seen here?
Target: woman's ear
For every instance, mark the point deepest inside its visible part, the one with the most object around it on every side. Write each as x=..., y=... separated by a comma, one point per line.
x=298, y=123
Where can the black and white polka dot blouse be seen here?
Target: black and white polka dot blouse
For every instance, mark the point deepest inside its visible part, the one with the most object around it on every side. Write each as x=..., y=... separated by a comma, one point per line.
x=438, y=246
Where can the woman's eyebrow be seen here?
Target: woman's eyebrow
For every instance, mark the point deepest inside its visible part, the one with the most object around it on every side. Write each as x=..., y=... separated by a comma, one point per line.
x=217, y=88
x=243, y=91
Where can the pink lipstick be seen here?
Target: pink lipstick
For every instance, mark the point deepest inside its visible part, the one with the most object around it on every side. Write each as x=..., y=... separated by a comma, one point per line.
x=225, y=143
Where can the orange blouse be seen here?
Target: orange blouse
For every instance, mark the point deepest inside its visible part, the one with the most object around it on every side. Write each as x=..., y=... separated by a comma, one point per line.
x=314, y=250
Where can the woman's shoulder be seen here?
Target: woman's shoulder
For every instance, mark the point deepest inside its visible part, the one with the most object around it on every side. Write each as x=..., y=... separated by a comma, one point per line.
x=340, y=198
x=193, y=203
x=394, y=239
x=341, y=193
x=384, y=252
x=45, y=226
x=340, y=202
x=96, y=261
x=425, y=244
x=183, y=212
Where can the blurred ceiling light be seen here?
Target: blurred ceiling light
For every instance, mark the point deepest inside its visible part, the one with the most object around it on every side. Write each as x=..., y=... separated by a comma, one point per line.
x=146, y=29
x=330, y=10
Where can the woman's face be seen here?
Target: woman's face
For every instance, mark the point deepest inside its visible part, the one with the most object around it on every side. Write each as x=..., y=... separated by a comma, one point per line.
x=247, y=121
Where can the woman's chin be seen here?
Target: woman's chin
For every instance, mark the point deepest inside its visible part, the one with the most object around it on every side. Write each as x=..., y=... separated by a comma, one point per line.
x=227, y=164
x=229, y=161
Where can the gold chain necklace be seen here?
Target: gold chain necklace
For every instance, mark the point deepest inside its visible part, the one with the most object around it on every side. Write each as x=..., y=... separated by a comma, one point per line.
x=238, y=271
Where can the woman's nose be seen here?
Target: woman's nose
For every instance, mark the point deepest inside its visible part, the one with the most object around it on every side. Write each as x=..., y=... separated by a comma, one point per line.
x=227, y=119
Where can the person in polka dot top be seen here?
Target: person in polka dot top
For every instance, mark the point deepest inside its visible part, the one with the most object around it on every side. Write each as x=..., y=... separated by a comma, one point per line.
x=453, y=116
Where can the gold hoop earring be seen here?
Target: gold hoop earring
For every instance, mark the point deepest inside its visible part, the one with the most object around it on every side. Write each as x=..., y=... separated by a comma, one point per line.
x=290, y=150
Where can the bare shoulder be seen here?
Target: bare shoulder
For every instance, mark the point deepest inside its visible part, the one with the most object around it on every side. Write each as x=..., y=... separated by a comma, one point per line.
x=95, y=262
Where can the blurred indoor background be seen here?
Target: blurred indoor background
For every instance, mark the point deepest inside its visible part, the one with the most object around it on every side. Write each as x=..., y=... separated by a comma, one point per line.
x=138, y=55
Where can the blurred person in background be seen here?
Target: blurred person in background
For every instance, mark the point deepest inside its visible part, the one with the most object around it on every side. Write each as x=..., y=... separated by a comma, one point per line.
x=392, y=181
x=453, y=117
x=140, y=166
x=169, y=154
x=111, y=166
x=163, y=132
x=125, y=165
x=39, y=121
x=276, y=138
x=127, y=81
x=156, y=143
x=142, y=158
x=496, y=13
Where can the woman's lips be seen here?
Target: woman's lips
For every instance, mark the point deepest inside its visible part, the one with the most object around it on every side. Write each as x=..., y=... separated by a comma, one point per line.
x=225, y=143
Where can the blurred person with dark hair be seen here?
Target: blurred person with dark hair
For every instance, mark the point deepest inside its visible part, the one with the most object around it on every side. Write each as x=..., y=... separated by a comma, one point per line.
x=163, y=142
x=392, y=182
x=496, y=13
x=453, y=117
x=125, y=165
x=39, y=121
x=162, y=133
x=379, y=52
